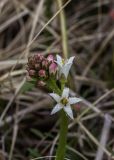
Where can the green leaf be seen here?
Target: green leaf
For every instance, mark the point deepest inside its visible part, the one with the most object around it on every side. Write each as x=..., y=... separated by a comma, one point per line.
x=37, y=133
x=33, y=153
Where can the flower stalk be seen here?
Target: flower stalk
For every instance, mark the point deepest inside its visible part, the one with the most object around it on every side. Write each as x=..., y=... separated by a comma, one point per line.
x=60, y=154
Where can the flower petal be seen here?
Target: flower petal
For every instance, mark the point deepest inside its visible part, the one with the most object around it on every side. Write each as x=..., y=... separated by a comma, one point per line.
x=68, y=111
x=57, y=108
x=66, y=69
x=65, y=93
x=55, y=96
x=59, y=60
x=74, y=100
x=70, y=60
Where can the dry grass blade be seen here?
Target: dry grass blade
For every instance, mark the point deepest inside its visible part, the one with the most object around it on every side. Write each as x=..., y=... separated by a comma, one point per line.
x=28, y=27
x=96, y=56
x=104, y=137
x=26, y=111
x=95, y=140
x=37, y=14
x=29, y=44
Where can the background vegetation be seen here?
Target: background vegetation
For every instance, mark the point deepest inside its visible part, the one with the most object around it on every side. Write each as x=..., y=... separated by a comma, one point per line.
x=27, y=27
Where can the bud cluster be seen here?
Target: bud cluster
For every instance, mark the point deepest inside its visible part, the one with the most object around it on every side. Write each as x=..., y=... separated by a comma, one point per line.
x=41, y=68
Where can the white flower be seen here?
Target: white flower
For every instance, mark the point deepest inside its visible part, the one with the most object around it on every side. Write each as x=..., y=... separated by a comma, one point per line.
x=64, y=65
x=64, y=102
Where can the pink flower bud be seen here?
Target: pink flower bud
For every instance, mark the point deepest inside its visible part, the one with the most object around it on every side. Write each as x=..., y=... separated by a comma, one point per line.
x=41, y=83
x=52, y=68
x=45, y=63
x=50, y=58
x=31, y=72
x=37, y=66
x=42, y=73
x=38, y=57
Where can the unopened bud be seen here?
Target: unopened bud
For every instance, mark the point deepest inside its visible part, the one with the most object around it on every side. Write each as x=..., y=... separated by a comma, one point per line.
x=31, y=72
x=37, y=66
x=50, y=58
x=38, y=57
x=42, y=73
x=41, y=83
x=52, y=68
x=45, y=63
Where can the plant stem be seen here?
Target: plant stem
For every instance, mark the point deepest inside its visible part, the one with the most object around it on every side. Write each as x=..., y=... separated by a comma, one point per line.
x=51, y=84
x=60, y=154
x=63, y=30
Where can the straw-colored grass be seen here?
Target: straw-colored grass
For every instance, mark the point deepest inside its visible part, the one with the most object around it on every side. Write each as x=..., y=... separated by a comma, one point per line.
x=85, y=29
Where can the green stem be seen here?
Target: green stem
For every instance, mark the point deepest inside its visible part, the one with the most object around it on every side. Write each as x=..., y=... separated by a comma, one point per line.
x=51, y=84
x=63, y=30
x=60, y=154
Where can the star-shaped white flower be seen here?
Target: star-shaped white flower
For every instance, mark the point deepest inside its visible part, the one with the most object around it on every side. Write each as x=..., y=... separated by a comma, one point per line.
x=64, y=65
x=64, y=102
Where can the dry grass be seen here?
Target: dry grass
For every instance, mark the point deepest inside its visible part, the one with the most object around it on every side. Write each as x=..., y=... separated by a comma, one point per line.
x=30, y=26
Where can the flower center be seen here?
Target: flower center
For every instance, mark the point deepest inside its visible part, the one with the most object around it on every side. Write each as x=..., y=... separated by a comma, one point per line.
x=64, y=101
x=63, y=61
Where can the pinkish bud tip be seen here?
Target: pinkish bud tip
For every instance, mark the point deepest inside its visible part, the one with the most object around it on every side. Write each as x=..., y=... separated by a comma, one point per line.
x=45, y=63
x=42, y=73
x=38, y=57
x=52, y=68
x=31, y=72
x=50, y=58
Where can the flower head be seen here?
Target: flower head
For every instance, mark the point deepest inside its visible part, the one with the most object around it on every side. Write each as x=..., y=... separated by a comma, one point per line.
x=41, y=68
x=64, y=102
x=64, y=65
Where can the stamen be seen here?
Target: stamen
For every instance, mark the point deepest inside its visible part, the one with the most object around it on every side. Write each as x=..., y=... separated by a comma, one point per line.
x=63, y=61
x=64, y=101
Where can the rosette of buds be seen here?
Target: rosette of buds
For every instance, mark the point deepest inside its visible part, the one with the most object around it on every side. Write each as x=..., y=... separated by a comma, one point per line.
x=41, y=68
